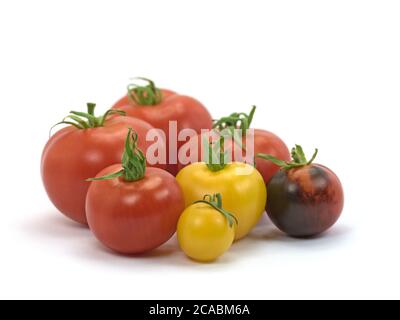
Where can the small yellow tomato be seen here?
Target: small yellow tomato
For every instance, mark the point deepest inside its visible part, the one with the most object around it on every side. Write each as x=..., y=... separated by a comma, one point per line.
x=242, y=188
x=205, y=232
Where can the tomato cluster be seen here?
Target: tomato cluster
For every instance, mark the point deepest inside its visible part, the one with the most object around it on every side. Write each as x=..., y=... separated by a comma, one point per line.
x=131, y=177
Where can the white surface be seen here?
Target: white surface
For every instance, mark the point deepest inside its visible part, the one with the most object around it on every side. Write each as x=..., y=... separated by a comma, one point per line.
x=323, y=73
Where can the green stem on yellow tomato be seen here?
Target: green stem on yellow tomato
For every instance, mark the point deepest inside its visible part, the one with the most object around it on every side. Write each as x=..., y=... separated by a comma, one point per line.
x=215, y=201
x=216, y=155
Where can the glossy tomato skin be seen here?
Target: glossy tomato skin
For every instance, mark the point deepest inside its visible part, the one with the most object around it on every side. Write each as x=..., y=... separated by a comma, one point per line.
x=204, y=234
x=186, y=111
x=134, y=217
x=268, y=143
x=306, y=201
x=72, y=155
x=241, y=186
x=264, y=142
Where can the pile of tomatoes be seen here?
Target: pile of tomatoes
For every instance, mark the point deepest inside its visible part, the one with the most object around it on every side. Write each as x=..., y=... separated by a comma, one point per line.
x=96, y=172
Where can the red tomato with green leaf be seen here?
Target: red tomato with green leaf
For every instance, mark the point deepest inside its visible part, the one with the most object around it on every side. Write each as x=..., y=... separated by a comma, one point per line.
x=264, y=142
x=80, y=151
x=160, y=106
x=133, y=209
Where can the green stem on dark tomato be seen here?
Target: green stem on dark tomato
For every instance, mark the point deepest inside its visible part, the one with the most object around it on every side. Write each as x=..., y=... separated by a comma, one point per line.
x=298, y=159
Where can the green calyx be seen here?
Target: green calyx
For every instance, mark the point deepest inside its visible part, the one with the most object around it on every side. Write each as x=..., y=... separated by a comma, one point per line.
x=215, y=201
x=86, y=120
x=133, y=161
x=231, y=125
x=298, y=159
x=147, y=95
x=217, y=157
x=235, y=121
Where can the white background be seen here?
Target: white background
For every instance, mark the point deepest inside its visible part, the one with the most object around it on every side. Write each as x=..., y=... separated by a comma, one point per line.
x=323, y=73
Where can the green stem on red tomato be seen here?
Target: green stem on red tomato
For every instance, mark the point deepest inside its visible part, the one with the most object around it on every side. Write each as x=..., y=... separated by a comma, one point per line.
x=235, y=121
x=215, y=201
x=86, y=120
x=147, y=95
x=298, y=159
x=229, y=125
x=109, y=112
x=90, y=108
x=133, y=161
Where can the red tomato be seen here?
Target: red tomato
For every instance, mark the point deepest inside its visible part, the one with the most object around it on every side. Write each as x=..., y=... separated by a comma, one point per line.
x=264, y=142
x=133, y=209
x=134, y=217
x=73, y=155
x=267, y=142
x=170, y=106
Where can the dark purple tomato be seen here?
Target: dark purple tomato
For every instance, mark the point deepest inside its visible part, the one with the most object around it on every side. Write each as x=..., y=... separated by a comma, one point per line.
x=305, y=201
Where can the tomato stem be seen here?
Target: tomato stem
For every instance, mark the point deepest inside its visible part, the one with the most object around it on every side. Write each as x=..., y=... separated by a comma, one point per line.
x=86, y=120
x=133, y=161
x=235, y=121
x=91, y=107
x=216, y=155
x=215, y=201
x=234, y=124
x=147, y=95
x=298, y=159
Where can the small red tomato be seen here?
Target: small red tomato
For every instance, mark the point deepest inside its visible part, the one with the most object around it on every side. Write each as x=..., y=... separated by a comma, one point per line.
x=304, y=199
x=132, y=209
x=159, y=107
x=79, y=152
x=264, y=142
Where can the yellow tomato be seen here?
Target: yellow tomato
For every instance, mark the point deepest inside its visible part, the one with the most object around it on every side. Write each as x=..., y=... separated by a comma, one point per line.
x=204, y=233
x=242, y=188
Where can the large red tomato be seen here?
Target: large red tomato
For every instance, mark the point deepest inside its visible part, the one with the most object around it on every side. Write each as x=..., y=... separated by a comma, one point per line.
x=134, y=209
x=79, y=152
x=160, y=106
x=264, y=142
